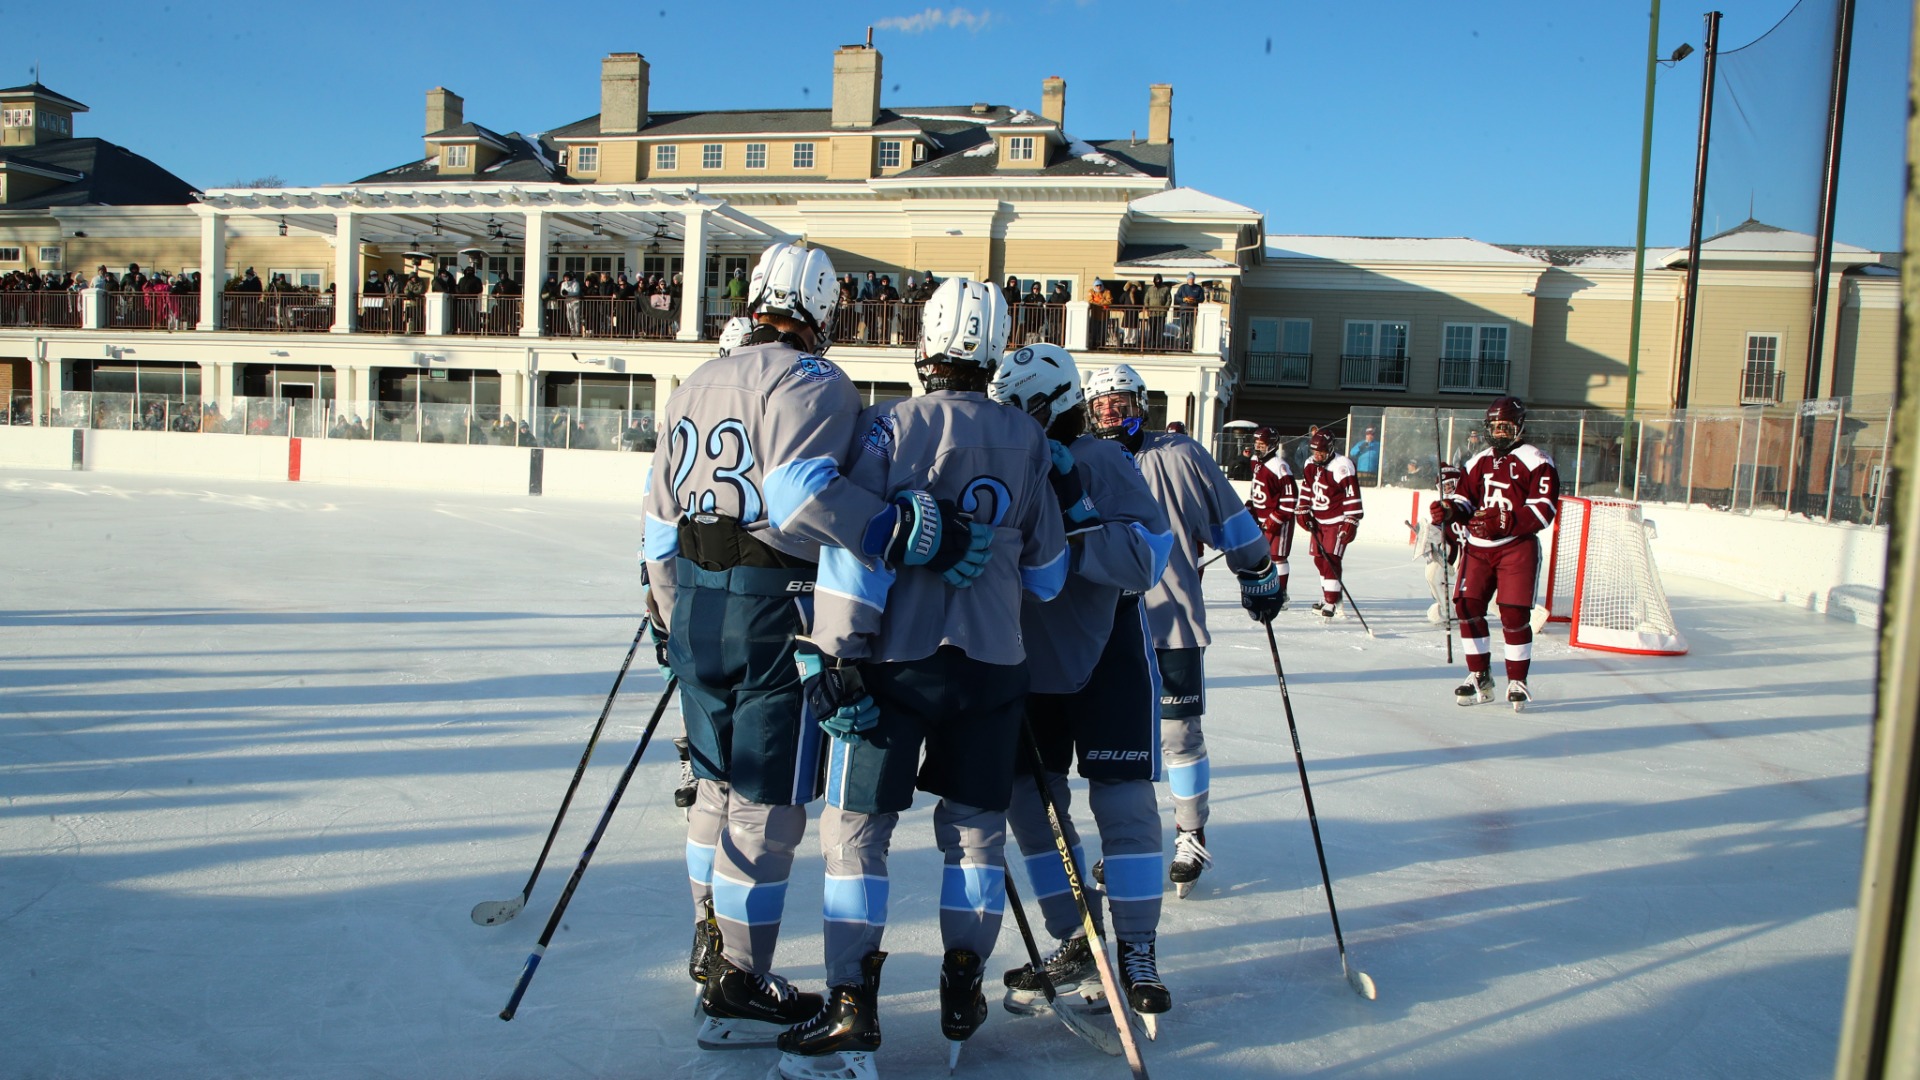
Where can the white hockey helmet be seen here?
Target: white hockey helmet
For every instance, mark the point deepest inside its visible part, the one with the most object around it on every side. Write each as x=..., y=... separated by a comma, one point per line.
x=964, y=324
x=796, y=282
x=1040, y=380
x=734, y=332
x=1118, y=379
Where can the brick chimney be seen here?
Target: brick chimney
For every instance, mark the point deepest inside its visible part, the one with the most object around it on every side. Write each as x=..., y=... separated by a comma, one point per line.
x=1159, y=114
x=445, y=109
x=856, y=86
x=623, y=93
x=1053, y=99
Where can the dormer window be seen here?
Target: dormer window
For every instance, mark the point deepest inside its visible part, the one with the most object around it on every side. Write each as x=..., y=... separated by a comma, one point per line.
x=458, y=157
x=16, y=117
x=889, y=153
x=1020, y=148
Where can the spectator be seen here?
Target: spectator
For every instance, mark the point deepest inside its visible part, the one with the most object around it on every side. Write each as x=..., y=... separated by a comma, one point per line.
x=1133, y=299
x=1159, y=296
x=737, y=286
x=1060, y=294
x=1099, y=306
x=1414, y=475
x=1191, y=295
x=1366, y=453
x=1473, y=447
x=570, y=302
x=1302, y=452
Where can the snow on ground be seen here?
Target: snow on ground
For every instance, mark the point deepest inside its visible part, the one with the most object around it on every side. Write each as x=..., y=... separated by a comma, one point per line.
x=263, y=746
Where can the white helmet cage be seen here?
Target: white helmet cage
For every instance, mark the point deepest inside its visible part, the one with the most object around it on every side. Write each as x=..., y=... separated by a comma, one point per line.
x=799, y=283
x=965, y=322
x=1118, y=379
x=734, y=332
x=1041, y=380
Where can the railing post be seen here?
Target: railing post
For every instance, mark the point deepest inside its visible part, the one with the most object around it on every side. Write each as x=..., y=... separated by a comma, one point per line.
x=1076, y=336
x=93, y=309
x=439, y=314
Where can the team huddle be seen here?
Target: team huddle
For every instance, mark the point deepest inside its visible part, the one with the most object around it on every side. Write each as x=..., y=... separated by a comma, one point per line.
x=965, y=593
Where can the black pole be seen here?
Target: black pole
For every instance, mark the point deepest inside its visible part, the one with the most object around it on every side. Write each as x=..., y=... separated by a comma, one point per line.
x=1684, y=373
x=1829, y=195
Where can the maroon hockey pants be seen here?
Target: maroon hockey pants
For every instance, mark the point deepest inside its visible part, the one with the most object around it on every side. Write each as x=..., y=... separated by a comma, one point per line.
x=1508, y=572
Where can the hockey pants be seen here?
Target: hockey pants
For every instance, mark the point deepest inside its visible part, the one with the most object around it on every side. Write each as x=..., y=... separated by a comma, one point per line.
x=1128, y=816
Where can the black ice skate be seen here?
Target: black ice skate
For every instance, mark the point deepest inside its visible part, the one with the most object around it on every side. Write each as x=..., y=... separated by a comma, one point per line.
x=1067, y=966
x=1190, y=856
x=963, y=1008
x=746, y=1011
x=837, y=1042
x=1518, y=695
x=706, y=944
x=1140, y=978
x=689, y=787
x=1476, y=688
x=1327, y=612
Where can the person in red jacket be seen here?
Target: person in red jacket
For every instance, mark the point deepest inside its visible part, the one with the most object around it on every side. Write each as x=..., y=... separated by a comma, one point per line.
x=1328, y=508
x=1273, y=499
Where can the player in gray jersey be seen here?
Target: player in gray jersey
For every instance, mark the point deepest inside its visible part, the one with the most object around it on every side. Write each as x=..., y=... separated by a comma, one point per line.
x=905, y=662
x=1095, y=693
x=1204, y=511
x=745, y=487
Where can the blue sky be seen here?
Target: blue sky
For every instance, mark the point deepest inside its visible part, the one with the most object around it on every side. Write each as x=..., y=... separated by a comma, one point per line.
x=1503, y=120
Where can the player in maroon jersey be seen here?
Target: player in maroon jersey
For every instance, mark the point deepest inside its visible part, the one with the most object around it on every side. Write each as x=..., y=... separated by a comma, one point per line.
x=1510, y=493
x=1328, y=508
x=1273, y=499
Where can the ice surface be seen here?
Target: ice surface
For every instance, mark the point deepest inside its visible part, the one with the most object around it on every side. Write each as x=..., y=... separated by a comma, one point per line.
x=263, y=746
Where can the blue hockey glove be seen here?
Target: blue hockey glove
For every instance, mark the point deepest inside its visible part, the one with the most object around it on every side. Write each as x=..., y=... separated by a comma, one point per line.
x=834, y=694
x=1076, y=506
x=1262, y=593
x=920, y=530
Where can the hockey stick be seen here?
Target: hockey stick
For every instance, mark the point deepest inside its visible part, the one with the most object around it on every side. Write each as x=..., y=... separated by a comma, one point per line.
x=1216, y=558
x=1361, y=982
x=586, y=856
x=1356, y=608
x=1075, y=1022
x=1098, y=942
x=495, y=912
x=1446, y=564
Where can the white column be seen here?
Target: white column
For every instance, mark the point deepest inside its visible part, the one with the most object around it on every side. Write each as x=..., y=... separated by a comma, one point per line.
x=93, y=309
x=1076, y=317
x=346, y=270
x=346, y=403
x=537, y=242
x=439, y=314
x=213, y=267
x=694, y=274
x=1208, y=329
x=1209, y=410
x=43, y=391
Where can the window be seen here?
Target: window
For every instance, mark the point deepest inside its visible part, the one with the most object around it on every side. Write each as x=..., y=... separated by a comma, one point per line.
x=53, y=122
x=1375, y=356
x=9, y=254
x=16, y=117
x=919, y=152
x=712, y=156
x=457, y=157
x=889, y=153
x=803, y=155
x=50, y=256
x=666, y=158
x=1279, y=351
x=1020, y=148
x=1762, y=381
x=756, y=155
x=299, y=278
x=1473, y=358
x=586, y=159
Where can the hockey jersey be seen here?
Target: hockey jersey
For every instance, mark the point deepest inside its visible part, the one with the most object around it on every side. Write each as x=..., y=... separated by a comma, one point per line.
x=1331, y=492
x=1203, y=511
x=1126, y=553
x=1273, y=493
x=759, y=436
x=992, y=462
x=1523, y=479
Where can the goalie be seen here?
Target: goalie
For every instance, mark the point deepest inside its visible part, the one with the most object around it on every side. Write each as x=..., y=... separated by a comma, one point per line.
x=1510, y=493
x=1440, y=546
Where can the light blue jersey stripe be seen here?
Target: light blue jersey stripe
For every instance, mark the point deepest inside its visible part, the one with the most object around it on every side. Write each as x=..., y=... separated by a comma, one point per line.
x=861, y=899
x=1046, y=581
x=661, y=541
x=1239, y=530
x=746, y=902
x=836, y=772
x=793, y=485
x=1049, y=878
x=1135, y=877
x=1189, y=781
x=1160, y=545
x=843, y=575
x=974, y=888
x=700, y=863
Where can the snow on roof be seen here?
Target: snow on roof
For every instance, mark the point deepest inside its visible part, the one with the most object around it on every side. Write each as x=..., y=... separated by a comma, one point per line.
x=1359, y=249
x=1186, y=200
x=1087, y=153
x=985, y=149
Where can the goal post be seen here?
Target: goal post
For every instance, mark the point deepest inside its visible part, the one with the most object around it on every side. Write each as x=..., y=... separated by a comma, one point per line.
x=1602, y=581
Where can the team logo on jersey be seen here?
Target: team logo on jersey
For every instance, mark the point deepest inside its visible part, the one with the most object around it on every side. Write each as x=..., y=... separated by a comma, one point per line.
x=814, y=369
x=879, y=440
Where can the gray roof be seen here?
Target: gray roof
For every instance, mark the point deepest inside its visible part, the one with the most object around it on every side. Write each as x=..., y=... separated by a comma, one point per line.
x=530, y=159
x=43, y=91
x=109, y=175
x=1172, y=257
x=787, y=121
x=1570, y=255
x=472, y=131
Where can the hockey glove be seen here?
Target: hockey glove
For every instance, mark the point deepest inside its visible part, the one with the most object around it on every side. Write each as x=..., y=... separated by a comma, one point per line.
x=834, y=694
x=1348, y=530
x=659, y=638
x=1304, y=519
x=1076, y=506
x=1261, y=592
x=920, y=530
x=1443, y=512
x=1492, y=523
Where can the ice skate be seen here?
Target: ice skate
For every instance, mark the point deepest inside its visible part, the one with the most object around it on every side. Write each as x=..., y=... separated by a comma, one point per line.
x=1327, y=612
x=1435, y=615
x=963, y=1008
x=1476, y=688
x=706, y=944
x=1140, y=978
x=1518, y=695
x=1190, y=856
x=1100, y=871
x=1068, y=966
x=689, y=787
x=837, y=1042
x=744, y=1011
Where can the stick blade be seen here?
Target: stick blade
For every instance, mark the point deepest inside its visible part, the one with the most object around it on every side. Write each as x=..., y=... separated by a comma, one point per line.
x=495, y=912
x=1091, y=1020
x=1362, y=984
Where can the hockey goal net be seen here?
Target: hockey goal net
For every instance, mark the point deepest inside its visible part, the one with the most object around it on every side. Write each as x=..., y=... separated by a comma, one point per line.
x=1601, y=580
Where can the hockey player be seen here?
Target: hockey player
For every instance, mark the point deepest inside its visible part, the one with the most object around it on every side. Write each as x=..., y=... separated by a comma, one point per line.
x=1095, y=694
x=1440, y=546
x=901, y=662
x=1273, y=499
x=745, y=487
x=1510, y=493
x=1329, y=510
x=1203, y=510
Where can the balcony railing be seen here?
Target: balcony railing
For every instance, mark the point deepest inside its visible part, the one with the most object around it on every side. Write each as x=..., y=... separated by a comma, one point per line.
x=1762, y=384
x=1279, y=369
x=1472, y=376
x=152, y=311
x=1137, y=329
x=878, y=322
x=714, y=319
x=1373, y=372
x=279, y=312
x=1036, y=323
x=35, y=309
x=605, y=317
x=483, y=316
x=392, y=315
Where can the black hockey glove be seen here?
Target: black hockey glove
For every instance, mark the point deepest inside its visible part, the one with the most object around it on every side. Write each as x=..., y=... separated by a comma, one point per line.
x=834, y=695
x=1076, y=506
x=933, y=533
x=659, y=637
x=1262, y=593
